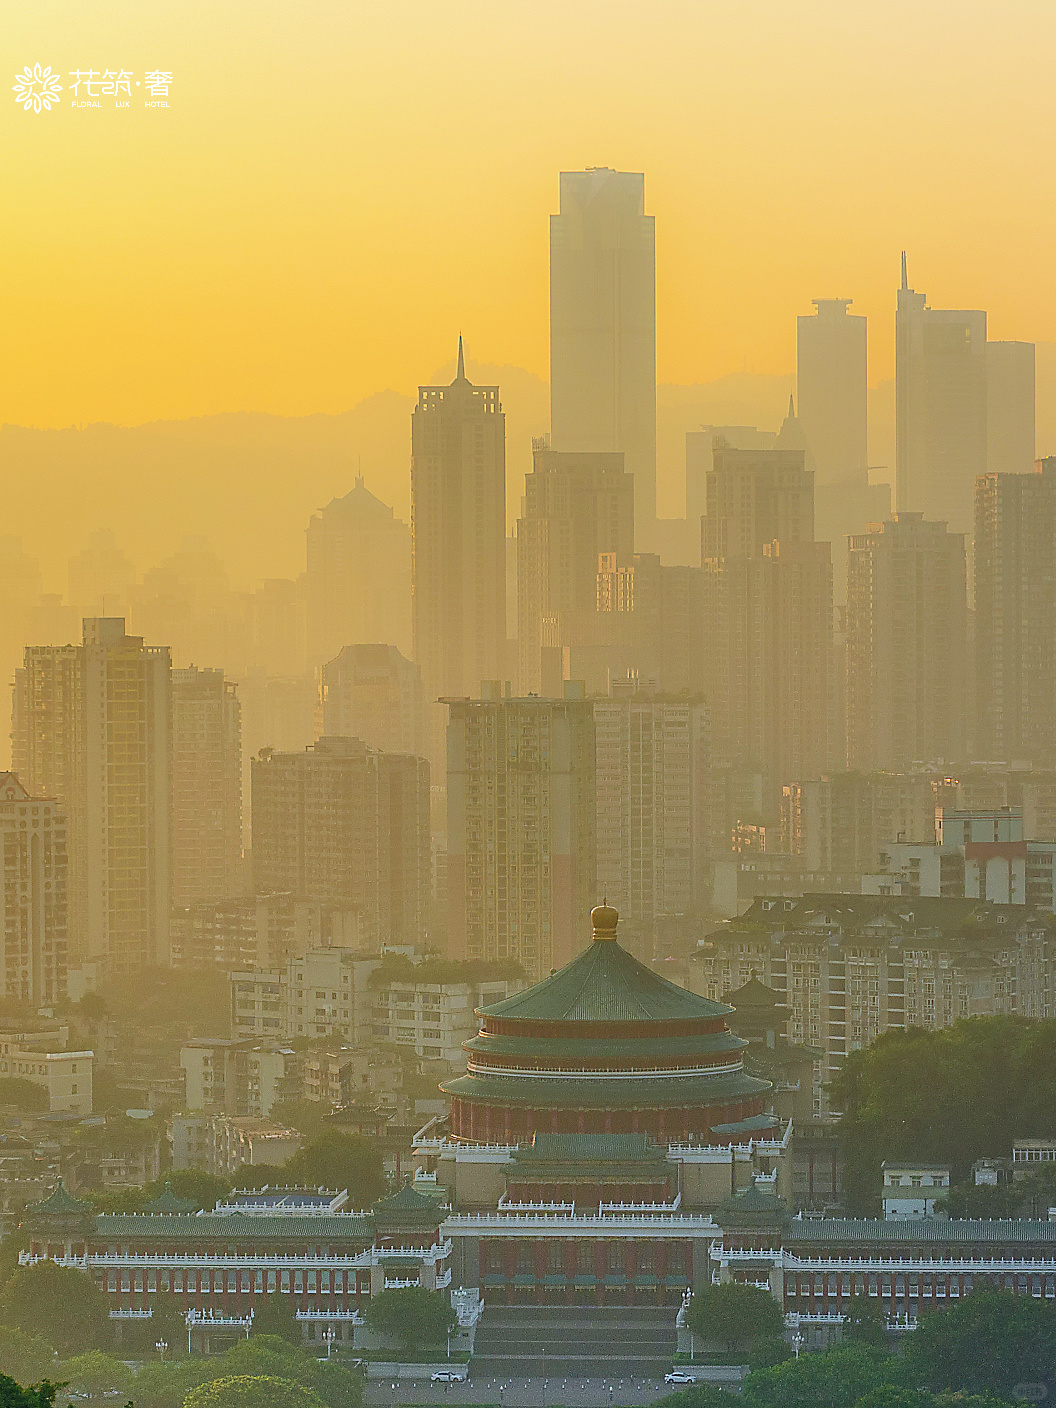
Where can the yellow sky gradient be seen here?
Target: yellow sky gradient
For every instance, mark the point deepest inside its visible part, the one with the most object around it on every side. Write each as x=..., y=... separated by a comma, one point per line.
x=338, y=188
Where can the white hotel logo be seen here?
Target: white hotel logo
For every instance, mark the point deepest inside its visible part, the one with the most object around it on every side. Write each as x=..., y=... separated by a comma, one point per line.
x=38, y=88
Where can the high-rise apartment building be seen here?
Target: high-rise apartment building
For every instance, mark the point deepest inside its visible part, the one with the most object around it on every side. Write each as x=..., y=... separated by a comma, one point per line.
x=458, y=528
x=344, y=823
x=850, y=967
x=768, y=645
x=359, y=576
x=93, y=729
x=906, y=643
x=206, y=787
x=33, y=899
x=521, y=827
x=576, y=506
x=700, y=447
x=940, y=408
x=831, y=379
x=840, y=822
x=650, y=756
x=1015, y=616
x=1009, y=407
x=374, y=693
x=603, y=327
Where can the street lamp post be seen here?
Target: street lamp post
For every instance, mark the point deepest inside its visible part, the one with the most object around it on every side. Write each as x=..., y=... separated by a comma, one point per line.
x=329, y=1336
x=798, y=1341
x=161, y=1346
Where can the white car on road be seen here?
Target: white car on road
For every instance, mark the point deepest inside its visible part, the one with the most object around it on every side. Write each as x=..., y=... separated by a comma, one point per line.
x=679, y=1376
x=449, y=1376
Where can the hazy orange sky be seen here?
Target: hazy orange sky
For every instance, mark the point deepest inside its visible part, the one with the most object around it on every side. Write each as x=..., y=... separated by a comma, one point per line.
x=338, y=187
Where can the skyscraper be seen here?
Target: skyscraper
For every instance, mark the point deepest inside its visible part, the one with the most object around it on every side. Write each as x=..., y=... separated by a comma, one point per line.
x=206, y=787
x=1015, y=616
x=650, y=756
x=906, y=645
x=940, y=408
x=603, y=327
x=458, y=531
x=767, y=617
x=521, y=826
x=371, y=692
x=832, y=385
x=346, y=824
x=92, y=728
x=576, y=506
x=1009, y=407
x=359, y=576
x=33, y=898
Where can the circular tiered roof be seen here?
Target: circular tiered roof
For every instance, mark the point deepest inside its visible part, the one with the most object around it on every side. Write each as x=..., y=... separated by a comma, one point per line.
x=606, y=1035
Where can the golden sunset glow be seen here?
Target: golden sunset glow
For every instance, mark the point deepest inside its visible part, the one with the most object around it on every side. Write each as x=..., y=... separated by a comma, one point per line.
x=338, y=188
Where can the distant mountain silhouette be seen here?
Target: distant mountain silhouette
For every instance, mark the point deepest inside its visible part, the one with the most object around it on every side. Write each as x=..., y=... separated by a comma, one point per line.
x=249, y=482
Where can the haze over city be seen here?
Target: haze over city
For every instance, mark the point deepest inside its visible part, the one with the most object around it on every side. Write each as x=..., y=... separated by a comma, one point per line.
x=528, y=614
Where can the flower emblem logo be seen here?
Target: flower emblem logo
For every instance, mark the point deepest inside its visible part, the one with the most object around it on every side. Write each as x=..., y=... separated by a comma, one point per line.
x=37, y=88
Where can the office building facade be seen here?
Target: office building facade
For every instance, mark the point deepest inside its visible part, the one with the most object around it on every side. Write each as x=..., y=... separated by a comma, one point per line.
x=603, y=327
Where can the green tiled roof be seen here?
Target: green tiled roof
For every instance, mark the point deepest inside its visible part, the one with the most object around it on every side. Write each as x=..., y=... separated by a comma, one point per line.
x=944, y=1230
x=751, y=1204
x=652, y=1092
x=592, y=1049
x=169, y=1202
x=407, y=1206
x=58, y=1203
x=232, y=1226
x=755, y=1124
x=606, y=984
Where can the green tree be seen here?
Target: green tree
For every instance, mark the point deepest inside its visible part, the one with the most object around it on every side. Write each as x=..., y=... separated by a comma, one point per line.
x=203, y=1189
x=271, y=1355
x=309, y=1117
x=699, y=1396
x=767, y=1351
x=97, y=1374
x=337, y=1160
x=418, y=1318
x=986, y=1343
x=864, y=1322
x=252, y=1391
x=23, y=1094
x=990, y=1081
x=251, y=1176
x=734, y=1316
x=13, y=1395
x=60, y=1302
x=276, y=1314
x=982, y=1200
x=25, y=1357
x=835, y=1379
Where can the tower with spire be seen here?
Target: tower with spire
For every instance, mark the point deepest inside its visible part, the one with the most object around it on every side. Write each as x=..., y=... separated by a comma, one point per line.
x=458, y=542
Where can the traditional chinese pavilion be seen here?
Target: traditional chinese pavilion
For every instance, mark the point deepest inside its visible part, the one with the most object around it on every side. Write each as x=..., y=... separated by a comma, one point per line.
x=605, y=1046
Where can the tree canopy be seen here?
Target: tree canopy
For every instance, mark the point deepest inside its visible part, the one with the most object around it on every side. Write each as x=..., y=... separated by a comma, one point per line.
x=986, y=1343
x=252, y=1391
x=97, y=1374
x=168, y=1385
x=835, y=1379
x=24, y=1356
x=22, y=1093
x=418, y=1318
x=13, y=1395
x=59, y=1302
x=990, y=1080
x=339, y=1160
x=734, y=1316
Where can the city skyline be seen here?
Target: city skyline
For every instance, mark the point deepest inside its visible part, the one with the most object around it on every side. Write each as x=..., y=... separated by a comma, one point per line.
x=198, y=211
